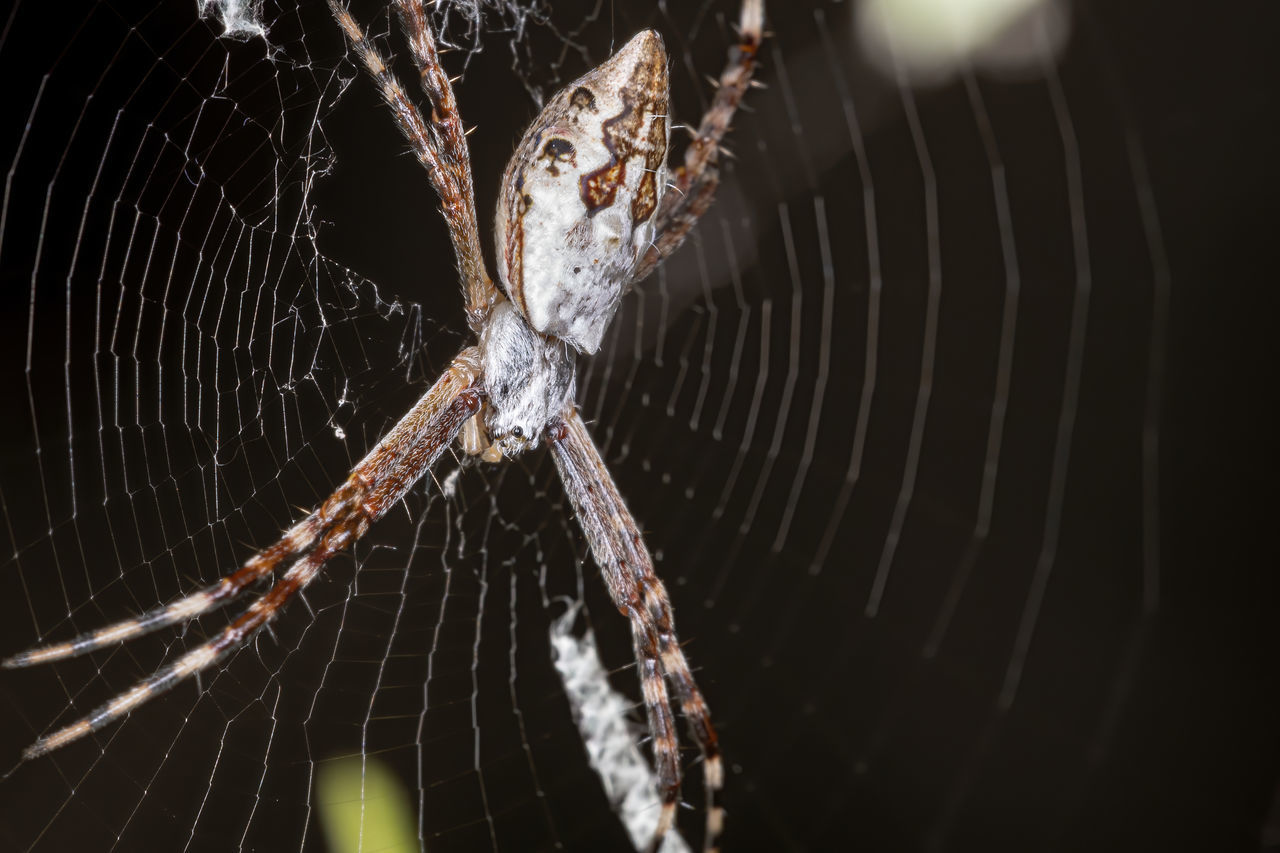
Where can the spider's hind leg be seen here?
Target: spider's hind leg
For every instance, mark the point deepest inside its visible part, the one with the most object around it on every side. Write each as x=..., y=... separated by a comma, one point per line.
x=619, y=550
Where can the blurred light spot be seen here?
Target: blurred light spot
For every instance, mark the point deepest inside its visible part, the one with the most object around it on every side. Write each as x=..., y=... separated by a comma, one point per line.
x=928, y=40
x=364, y=807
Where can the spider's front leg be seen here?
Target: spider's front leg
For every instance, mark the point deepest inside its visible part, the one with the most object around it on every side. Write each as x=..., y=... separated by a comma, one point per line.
x=619, y=550
x=375, y=485
x=437, y=140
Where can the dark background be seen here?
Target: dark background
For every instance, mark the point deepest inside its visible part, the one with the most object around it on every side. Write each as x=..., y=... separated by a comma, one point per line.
x=155, y=435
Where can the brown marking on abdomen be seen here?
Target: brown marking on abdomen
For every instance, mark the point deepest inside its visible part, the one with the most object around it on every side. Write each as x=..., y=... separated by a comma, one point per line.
x=599, y=188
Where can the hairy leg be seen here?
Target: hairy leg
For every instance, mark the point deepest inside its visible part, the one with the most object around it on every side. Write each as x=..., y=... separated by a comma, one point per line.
x=693, y=184
x=375, y=484
x=440, y=144
x=639, y=594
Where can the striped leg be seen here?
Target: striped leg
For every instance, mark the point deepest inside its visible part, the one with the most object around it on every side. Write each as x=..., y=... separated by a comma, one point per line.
x=637, y=591
x=296, y=540
x=376, y=484
x=693, y=185
x=439, y=144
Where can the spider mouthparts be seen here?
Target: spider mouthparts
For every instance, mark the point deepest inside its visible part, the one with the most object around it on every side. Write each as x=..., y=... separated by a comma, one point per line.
x=511, y=445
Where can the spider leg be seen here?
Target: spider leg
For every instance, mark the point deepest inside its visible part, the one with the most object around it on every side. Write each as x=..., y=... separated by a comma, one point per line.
x=639, y=594
x=376, y=484
x=439, y=144
x=297, y=539
x=262, y=611
x=693, y=185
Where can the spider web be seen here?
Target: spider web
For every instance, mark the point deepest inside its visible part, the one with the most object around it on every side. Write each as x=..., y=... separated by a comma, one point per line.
x=908, y=423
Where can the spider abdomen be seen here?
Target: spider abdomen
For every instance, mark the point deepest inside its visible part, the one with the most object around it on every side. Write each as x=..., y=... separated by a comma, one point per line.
x=576, y=210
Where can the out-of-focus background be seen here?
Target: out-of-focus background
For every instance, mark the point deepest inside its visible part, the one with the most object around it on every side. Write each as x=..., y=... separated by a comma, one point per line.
x=949, y=429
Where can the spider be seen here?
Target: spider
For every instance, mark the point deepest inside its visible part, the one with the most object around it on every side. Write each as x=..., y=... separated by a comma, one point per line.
x=587, y=208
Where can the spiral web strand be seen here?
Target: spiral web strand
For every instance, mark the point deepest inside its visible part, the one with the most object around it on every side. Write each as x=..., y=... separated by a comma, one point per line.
x=891, y=421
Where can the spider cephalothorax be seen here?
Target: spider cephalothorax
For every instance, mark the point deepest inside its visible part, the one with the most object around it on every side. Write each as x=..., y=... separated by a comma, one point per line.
x=585, y=212
x=530, y=381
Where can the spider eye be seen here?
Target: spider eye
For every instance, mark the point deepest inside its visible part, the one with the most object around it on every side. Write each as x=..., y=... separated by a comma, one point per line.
x=517, y=432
